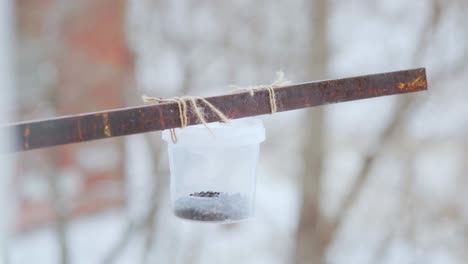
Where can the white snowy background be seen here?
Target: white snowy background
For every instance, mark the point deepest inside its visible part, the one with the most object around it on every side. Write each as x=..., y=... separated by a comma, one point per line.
x=365, y=37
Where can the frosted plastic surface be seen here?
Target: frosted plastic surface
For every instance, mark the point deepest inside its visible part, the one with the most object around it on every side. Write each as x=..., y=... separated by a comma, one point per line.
x=213, y=175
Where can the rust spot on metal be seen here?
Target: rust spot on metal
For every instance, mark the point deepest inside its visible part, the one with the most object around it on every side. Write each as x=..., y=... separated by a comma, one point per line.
x=27, y=133
x=107, y=130
x=413, y=85
x=80, y=134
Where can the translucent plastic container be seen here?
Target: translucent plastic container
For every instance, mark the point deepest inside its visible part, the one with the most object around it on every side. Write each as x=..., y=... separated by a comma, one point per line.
x=213, y=175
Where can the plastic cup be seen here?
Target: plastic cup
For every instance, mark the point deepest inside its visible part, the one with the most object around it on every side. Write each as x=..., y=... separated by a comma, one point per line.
x=213, y=174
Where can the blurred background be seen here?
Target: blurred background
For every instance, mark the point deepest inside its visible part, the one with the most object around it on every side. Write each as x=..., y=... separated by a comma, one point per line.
x=381, y=180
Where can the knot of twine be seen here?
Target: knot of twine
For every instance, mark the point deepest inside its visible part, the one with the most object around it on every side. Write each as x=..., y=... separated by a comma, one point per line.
x=199, y=111
x=182, y=105
x=279, y=82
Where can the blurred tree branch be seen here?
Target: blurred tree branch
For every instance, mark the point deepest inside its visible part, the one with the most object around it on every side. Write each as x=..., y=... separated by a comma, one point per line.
x=160, y=184
x=426, y=37
x=52, y=32
x=405, y=207
x=403, y=110
x=326, y=229
x=310, y=247
x=148, y=223
x=389, y=133
x=58, y=207
x=158, y=191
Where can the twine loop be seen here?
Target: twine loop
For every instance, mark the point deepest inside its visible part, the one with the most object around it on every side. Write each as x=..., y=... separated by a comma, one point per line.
x=199, y=111
x=183, y=110
x=280, y=81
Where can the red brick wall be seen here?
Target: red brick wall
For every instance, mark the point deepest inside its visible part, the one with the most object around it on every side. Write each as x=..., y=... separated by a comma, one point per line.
x=85, y=42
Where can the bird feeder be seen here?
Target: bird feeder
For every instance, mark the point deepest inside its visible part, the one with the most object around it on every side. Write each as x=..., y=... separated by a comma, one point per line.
x=213, y=170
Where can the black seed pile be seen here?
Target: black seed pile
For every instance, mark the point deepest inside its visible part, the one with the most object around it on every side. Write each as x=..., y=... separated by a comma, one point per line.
x=212, y=207
x=206, y=194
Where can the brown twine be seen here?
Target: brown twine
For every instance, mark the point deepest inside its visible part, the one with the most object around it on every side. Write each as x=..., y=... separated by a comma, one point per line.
x=280, y=81
x=199, y=112
x=183, y=109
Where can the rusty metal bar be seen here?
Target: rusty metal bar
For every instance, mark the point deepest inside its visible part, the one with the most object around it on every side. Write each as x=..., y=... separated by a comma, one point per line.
x=127, y=121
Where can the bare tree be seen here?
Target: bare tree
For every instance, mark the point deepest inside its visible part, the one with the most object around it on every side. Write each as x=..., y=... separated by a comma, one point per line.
x=60, y=212
x=181, y=45
x=315, y=233
x=311, y=232
x=406, y=192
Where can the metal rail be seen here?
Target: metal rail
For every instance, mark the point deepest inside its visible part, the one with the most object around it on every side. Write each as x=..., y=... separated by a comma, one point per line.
x=127, y=121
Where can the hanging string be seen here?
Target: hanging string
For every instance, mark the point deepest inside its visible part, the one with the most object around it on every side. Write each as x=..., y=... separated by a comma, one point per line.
x=272, y=96
x=199, y=111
